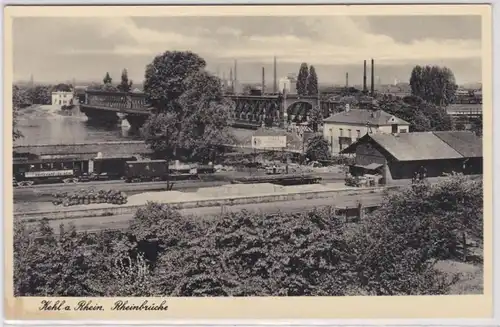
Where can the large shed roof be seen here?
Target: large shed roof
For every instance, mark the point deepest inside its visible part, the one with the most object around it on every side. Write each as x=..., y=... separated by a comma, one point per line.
x=426, y=145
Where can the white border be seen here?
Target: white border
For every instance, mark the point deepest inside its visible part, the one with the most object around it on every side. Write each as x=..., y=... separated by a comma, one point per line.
x=495, y=321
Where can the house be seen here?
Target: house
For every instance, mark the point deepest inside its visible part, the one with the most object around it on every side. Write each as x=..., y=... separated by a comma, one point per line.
x=62, y=98
x=344, y=128
x=399, y=156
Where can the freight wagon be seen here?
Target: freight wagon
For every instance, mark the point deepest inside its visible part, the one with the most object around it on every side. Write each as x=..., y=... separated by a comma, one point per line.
x=27, y=172
x=157, y=170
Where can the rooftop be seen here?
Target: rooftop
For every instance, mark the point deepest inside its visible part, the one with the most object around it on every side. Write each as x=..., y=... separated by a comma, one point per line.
x=426, y=145
x=365, y=116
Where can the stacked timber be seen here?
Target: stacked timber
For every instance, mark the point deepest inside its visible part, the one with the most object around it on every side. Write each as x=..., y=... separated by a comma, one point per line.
x=282, y=179
x=89, y=197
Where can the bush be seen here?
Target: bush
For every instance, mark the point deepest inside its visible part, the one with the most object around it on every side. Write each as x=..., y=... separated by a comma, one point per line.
x=393, y=251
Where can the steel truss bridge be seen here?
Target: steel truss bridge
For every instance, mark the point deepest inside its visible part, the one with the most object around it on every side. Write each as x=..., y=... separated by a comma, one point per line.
x=250, y=111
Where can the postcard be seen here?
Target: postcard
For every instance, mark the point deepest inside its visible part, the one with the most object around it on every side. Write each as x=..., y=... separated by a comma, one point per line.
x=248, y=162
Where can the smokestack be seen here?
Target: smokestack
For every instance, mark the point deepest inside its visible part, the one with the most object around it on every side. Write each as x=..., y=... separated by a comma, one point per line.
x=231, y=79
x=275, y=86
x=373, y=78
x=235, y=75
x=364, y=76
x=263, y=81
x=346, y=80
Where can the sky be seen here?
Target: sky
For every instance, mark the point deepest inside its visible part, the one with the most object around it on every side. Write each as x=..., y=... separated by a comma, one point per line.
x=84, y=49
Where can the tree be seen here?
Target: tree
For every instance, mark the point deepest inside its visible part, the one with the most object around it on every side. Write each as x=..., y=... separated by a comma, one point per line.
x=102, y=87
x=62, y=87
x=316, y=118
x=434, y=84
x=477, y=125
x=165, y=78
x=125, y=85
x=318, y=148
x=312, y=82
x=107, y=79
x=20, y=99
x=301, y=83
x=421, y=115
x=192, y=118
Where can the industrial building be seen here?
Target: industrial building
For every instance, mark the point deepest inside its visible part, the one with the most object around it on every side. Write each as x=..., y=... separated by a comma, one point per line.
x=397, y=157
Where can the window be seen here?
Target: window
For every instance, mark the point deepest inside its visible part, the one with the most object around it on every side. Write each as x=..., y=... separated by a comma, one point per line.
x=358, y=133
x=349, y=133
x=403, y=130
x=341, y=132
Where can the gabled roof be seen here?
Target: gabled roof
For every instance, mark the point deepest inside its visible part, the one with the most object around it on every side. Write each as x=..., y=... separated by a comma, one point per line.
x=364, y=116
x=465, y=143
x=425, y=145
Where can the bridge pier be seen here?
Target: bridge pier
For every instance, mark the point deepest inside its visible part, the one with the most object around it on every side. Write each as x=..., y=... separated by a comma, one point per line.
x=99, y=116
x=135, y=121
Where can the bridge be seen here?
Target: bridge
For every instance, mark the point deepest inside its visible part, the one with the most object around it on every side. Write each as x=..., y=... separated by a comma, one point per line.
x=465, y=114
x=250, y=111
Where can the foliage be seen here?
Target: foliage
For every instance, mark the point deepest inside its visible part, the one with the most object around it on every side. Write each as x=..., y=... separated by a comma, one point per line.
x=312, y=82
x=102, y=87
x=107, y=79
x=165, y=78
x=125, y=85
x=193, y=115
x=477, y=125
x=20, y=99
x=316, y=118
x=301, y=84
x=62, y=87
x=391, y=252
x=41, y=94
x=421, y=115
x=434, y=84
x=318, y=148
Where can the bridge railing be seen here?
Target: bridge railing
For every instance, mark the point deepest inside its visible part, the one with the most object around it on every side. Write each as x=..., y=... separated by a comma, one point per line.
x=116, y=100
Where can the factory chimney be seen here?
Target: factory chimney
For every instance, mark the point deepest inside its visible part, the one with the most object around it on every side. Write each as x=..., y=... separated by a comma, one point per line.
x=275, y=86
x=373, y=79
x=263, y=85
x=235, y=85
x=364, y=76
x=231, y=79
x=346, y=80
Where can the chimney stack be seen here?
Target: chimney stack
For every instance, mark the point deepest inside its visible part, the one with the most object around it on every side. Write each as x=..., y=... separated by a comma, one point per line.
x=263, y=81
x=373, y=78
x=275, y=86
x=364, y=76
x=346, y=80
x=235, y=75
x=231, y=80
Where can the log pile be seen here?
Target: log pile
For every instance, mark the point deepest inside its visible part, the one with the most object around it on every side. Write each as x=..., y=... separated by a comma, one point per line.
x=89, y=197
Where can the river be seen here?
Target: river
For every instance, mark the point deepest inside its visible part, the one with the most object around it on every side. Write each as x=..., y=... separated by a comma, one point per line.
x=47, y=124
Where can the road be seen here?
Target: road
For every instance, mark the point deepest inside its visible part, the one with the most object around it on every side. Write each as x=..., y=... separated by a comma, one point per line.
x=121, y=221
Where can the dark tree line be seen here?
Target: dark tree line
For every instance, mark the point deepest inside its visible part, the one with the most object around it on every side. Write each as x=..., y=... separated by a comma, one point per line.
x=393, y=251
x=434, y=84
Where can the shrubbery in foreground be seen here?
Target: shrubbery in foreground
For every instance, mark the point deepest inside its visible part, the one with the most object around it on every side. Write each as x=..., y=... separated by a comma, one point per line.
x=391, y=252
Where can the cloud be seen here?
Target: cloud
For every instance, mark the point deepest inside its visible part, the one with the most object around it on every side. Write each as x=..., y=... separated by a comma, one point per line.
x=333, y=40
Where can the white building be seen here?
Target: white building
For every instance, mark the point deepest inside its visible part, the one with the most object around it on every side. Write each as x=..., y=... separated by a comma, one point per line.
x=288, y=84
x=344, y=128
x=62, y=98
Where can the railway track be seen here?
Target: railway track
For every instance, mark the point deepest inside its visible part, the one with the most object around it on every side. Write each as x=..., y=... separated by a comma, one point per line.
x=120, y=222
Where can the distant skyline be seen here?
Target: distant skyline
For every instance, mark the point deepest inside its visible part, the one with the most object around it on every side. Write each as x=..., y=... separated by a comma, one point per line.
x=84, y=49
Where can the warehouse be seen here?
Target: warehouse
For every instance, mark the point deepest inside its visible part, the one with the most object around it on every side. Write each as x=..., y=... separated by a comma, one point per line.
x=398, y=157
